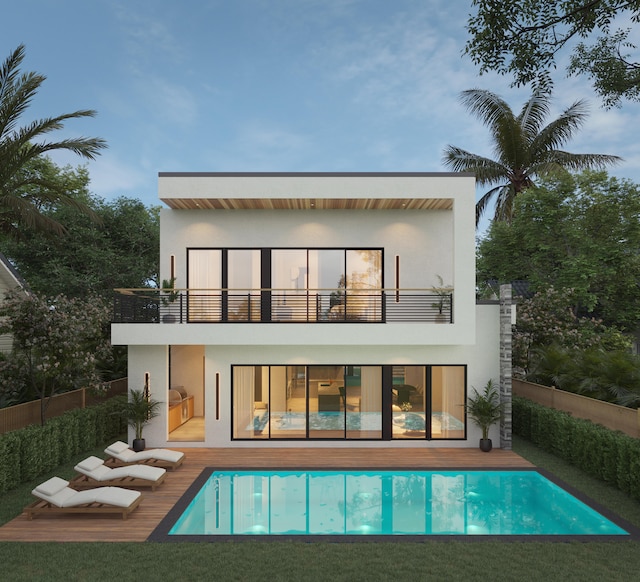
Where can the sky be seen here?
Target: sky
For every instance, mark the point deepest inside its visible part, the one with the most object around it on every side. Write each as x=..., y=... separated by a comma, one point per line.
x=272, y=85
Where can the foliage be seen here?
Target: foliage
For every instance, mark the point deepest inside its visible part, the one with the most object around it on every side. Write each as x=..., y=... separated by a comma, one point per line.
x=549, y=318
x=612, y=376
x=443, y=292
x=22, y=191
x=485, y=408
x=523, y=39
x=610, y=456
x=169, y=295
x=138, y=410
x=524, y=148
x=57, y=345
x=120, y=250
x=573, y=232
x=30, y=452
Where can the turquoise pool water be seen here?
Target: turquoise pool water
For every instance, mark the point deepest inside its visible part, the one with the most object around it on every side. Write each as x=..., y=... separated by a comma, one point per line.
x=394, y=503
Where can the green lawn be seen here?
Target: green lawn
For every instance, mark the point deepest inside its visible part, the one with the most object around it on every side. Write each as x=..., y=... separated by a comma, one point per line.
x=260, y=560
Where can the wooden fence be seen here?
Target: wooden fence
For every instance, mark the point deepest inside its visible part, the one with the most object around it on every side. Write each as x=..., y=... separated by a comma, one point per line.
x=21, y=415
x=610, y=415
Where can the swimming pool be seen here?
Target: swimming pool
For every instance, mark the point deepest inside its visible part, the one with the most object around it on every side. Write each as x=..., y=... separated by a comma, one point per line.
x=382, y=503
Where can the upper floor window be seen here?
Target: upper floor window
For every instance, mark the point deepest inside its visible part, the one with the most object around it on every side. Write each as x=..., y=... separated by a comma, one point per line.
x=285, y=284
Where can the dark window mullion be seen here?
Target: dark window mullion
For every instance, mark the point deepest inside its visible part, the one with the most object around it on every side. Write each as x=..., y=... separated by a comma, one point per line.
x=224, y=260
x=265, y=284
x=387, y=401
x=428, y=405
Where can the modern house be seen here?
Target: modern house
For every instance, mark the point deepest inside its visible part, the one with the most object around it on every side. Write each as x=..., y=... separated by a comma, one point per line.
x=314, y=310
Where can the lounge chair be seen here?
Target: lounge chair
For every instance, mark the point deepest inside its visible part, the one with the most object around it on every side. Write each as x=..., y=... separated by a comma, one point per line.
x=93, y=472
x=55, y=496
x=120, y=454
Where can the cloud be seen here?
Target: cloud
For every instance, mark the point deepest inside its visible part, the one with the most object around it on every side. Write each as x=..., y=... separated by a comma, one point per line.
x=260, y=146
x=112, y=177
x=148, y=38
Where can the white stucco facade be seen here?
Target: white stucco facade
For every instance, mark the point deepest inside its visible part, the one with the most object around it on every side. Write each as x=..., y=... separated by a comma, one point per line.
x=423, y=225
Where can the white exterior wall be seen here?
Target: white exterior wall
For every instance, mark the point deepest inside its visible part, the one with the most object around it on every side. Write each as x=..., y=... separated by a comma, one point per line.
x=428, y=242
x=482, y=360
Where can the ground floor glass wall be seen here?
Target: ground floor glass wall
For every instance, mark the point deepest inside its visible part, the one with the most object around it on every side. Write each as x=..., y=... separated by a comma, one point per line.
x=349, y=402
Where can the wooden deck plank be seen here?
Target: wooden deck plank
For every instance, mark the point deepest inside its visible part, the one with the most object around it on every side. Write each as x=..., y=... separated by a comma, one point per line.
x=156, y=504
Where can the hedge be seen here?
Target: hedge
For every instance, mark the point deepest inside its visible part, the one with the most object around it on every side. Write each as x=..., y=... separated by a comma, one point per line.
x=611, y=456
x=27, y=453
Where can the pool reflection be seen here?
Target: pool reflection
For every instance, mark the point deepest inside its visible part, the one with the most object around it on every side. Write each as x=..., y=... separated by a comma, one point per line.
x=387, y=503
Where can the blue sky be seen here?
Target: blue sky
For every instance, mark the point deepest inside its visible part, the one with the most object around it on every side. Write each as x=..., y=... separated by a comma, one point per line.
x=272, y=85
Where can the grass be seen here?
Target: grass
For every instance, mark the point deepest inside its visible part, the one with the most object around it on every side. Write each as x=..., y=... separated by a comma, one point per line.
x=371, y=561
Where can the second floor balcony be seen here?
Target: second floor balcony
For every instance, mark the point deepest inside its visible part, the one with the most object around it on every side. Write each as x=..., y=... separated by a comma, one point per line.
x=245, y=306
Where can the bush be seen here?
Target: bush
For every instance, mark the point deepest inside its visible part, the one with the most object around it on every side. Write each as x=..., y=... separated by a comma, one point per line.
x=27, y=453
x=609, y=455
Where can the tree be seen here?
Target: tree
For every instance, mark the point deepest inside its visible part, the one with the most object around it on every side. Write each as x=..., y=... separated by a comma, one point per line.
x=549, y=319
x=573, y=232
x=524, y=148
x=23, y=193
x=92, y=257
x=523, y=38
x=58, y=344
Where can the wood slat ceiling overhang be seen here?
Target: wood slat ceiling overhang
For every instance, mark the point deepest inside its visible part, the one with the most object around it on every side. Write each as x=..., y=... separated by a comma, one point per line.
x=309, y=203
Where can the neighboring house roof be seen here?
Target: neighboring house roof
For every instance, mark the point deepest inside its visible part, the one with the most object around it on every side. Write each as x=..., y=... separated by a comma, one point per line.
x=9, y=276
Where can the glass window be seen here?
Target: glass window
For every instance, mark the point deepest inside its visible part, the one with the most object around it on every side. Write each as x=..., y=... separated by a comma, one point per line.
x=363, y=402
x=205, y=284
x=347, y=402
x=326, y=402
x=409, y=402
x=289, y=276
x=448, y=396
x=326, y=279
x=288, y=390
x=248, y=419
x=243, y=284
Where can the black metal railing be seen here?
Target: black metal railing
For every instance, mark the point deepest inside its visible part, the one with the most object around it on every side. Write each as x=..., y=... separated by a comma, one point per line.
x=282, y=306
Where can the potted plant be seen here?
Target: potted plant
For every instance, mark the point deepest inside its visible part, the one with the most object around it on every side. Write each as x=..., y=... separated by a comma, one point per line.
x=168, y=296
x=485, y=409
x=444, y=299
x=138, y=410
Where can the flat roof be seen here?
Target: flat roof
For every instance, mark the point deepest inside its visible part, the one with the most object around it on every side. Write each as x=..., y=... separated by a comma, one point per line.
x=308, y=190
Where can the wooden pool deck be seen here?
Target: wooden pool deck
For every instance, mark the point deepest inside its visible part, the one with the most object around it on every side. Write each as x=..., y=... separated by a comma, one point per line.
x=155, y=505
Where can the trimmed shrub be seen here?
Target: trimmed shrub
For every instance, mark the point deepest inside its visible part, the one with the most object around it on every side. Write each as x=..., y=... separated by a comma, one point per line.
x=27, y=453
x=600, y=452
x=9, y=462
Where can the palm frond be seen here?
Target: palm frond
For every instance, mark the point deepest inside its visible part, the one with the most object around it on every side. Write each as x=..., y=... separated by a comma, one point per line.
x=485, y=199
x=490, y=109
x=562, y=129
x=557, y=159
x=533, y=114
x=487, y=171
x=22, y=196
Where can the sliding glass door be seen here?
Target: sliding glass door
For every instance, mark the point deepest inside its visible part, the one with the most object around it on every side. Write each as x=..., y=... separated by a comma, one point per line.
x=349, y=402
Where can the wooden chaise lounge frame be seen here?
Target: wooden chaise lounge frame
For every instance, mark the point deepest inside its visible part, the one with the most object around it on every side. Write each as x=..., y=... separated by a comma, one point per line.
x=113, y=461
x=85, y=482
x=168, y=465
x=41, y=506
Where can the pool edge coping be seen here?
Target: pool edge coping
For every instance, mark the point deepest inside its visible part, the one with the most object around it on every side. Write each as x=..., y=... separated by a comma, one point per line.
x=160, y=534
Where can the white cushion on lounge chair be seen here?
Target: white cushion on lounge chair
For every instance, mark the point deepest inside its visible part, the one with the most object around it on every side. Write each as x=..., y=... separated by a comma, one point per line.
x=90, y=464
x=126, y=455
x=52, y=492
x=100, y=472
x=52, y=486
x=118, y=447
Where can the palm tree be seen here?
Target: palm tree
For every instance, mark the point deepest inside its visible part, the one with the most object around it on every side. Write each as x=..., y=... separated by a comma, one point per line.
x=23, y=192
x=524, y=148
